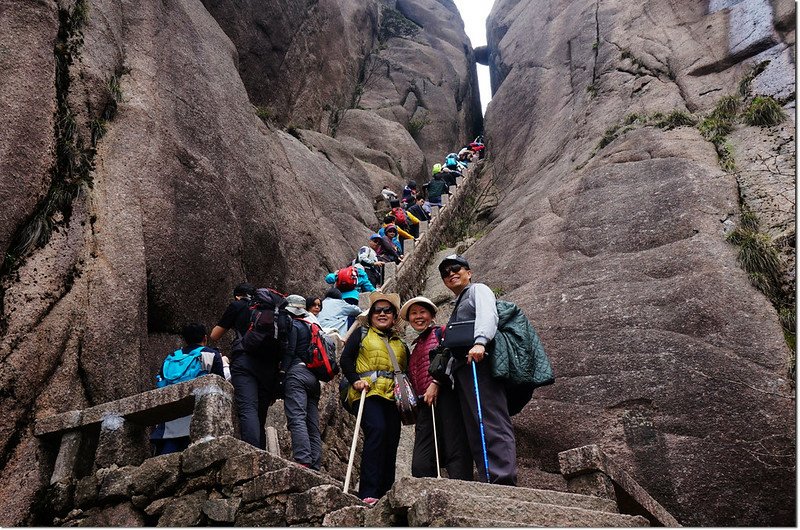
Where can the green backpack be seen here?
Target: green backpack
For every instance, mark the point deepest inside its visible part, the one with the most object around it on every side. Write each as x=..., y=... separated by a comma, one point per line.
x=518, y=357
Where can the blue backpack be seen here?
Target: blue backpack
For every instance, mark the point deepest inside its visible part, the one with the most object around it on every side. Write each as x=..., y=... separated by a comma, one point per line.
x=179, y=367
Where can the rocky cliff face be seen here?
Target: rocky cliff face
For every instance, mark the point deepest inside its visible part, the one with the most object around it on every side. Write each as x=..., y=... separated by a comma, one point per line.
x=621, y=167
x=145, y=172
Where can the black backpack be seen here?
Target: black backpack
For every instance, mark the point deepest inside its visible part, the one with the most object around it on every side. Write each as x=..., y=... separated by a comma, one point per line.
x=269, y=324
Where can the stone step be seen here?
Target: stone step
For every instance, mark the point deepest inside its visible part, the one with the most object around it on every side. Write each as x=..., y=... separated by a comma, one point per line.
x=407, y=490
x=441, y=508
x=458, y=521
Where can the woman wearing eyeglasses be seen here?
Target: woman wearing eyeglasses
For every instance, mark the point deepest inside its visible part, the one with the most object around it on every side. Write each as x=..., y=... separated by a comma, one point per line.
x=367, y=365
x=476, y=303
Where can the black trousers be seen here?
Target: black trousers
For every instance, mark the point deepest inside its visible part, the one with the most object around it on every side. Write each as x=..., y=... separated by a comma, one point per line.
x=254, y=379
x=501, y=445
x=454, y=451
x=381, y=425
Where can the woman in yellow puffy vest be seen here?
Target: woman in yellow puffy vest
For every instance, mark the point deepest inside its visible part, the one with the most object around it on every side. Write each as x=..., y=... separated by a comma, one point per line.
x=366, y=364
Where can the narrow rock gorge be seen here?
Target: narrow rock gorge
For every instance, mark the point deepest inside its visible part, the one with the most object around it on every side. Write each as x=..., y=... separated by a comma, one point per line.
x=154, y=155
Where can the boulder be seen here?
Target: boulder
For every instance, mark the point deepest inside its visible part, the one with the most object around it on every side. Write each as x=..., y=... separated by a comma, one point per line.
x=611, y=239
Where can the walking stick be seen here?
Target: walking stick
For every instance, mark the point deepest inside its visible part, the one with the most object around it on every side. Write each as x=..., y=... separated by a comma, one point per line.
x=480, y=419
x=435, y=441
x=355, y=440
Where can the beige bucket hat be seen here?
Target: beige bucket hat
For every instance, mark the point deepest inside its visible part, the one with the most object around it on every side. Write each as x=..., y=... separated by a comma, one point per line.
x=417, y=300
x=392, y=298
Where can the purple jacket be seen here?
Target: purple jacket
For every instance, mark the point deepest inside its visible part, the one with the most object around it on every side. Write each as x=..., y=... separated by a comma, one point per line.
x=420, y=361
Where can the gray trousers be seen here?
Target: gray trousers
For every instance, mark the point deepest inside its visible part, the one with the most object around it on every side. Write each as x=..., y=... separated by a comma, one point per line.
x=501, y=445
x=301, y=404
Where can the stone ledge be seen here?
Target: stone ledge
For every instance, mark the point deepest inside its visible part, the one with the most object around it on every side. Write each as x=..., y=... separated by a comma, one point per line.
x=407, y=490
x=438, y=508
x=591, y=459
x=146, y=408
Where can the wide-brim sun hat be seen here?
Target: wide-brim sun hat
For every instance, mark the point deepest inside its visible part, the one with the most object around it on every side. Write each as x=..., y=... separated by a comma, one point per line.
x=377, y=296
x=417, y=300
x=392, y=298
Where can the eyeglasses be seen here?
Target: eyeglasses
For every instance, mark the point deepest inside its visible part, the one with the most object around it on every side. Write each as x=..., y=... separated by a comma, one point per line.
x=450, y=269
x=383, y=310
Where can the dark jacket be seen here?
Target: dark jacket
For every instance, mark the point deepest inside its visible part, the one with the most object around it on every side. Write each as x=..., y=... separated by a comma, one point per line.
x=436, y=188
x=387, y=250
x=419, y=212
x=297, y=346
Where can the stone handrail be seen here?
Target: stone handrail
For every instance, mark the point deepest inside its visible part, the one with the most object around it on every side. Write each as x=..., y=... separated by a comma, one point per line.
x=406, y=280
x=590, y=472
x=121, y=423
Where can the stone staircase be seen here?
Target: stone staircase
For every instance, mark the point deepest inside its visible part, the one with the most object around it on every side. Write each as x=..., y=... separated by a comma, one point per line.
x=442, y=502
x=100, y=476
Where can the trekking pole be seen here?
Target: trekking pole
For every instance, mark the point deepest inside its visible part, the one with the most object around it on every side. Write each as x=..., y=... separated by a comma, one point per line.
x=355, y=440
x=435, y=442
x=480, y=419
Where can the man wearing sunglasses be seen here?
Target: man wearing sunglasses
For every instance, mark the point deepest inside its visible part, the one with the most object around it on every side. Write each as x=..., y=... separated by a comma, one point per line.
x=472, y=326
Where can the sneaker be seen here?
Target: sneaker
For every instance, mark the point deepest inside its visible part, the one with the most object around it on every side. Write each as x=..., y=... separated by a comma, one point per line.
x=371, y=501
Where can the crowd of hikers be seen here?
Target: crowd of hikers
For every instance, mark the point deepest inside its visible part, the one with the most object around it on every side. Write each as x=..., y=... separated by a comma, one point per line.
x=284, y=346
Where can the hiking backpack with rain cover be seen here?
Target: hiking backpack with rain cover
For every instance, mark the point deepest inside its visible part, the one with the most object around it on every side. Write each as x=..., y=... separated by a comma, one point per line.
x=400, y=217
x=269, y=323
x=321, y=357
x=346, y=278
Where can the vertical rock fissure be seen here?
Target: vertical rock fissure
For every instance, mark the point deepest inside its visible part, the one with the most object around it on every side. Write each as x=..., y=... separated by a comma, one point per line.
x=71, y=171
x=596, y=41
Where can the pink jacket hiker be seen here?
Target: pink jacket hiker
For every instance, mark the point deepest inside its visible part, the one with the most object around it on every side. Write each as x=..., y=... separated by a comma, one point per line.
x=420, y=360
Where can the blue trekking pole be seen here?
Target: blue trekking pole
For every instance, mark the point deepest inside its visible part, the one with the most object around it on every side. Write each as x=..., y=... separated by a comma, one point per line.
x=480, y=419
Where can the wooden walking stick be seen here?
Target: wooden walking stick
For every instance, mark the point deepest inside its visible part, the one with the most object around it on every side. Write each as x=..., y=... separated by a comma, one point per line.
x=436, y=442
x=355, y=440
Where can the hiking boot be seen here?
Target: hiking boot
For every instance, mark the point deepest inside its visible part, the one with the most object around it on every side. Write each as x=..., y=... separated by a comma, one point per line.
x=370, y=501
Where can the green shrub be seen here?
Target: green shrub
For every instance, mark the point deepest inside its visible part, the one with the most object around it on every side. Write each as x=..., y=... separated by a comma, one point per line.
x=395, y=24
x=416, y=125
x=715, y=129
x=609, y=136
x=630, y=119
x=763, y=111
x=757, y=255
x=265, y=113
x=726, y=108
x=726, y=158
x=98, y=129
x=676, y=118
x=114, y=88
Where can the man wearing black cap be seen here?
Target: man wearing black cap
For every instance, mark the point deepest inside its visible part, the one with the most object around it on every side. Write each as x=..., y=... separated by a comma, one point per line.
x=476, y=302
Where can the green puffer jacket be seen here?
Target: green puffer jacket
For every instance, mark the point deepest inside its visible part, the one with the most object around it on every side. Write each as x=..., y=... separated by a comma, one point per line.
x=516, y=352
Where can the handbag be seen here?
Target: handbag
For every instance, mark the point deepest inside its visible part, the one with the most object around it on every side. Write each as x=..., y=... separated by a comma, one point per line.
x=404, y=396
x=458, y=335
